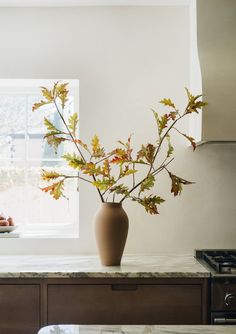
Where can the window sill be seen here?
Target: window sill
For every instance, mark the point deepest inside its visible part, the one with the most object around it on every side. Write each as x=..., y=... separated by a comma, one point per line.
x=45, y=232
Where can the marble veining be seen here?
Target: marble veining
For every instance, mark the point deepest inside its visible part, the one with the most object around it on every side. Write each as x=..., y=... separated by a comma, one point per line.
x=133, y=329
x=49, y=266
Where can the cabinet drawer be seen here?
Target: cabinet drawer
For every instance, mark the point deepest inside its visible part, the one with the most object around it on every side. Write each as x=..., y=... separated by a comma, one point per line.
x=124, y=304
x=19, y=309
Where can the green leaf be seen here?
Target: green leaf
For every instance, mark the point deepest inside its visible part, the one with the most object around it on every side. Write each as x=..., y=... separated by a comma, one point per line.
x=126, y=171
x=92, y=169
x=168, y=102
x=176, y=184
x=47, y=94
x=170, y=147
x=120, y=189
x=147, y=183
x=50, y=126
x=55, y=190
x=73, y=123
x=74, y=160
x=103, y=184
x=38, y=105
x=156, y=116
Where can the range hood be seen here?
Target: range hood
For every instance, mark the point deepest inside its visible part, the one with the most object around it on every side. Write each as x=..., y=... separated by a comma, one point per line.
x=216, y=43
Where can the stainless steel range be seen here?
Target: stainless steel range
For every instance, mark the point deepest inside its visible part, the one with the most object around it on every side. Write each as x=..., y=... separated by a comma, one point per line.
x=222, y=264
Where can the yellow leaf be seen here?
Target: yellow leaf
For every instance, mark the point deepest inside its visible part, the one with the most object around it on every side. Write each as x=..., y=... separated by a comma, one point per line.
x=97, y=150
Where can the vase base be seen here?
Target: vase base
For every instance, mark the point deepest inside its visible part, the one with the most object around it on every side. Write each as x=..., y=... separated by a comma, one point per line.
x=111, y=264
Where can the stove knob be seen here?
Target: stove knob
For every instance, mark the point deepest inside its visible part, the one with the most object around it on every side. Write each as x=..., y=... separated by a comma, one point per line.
x=230, y=299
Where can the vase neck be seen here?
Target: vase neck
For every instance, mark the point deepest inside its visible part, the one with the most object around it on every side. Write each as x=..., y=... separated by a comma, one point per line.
x=112, y=204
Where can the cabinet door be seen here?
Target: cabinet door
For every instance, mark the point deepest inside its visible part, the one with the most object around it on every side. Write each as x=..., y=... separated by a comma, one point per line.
x=19, y=309
x=124, y=304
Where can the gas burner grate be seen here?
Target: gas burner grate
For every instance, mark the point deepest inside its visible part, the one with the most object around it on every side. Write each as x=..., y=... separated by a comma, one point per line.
x=222, y=261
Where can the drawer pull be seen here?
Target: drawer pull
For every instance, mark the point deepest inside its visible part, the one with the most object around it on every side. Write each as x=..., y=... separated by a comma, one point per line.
x=124, y=287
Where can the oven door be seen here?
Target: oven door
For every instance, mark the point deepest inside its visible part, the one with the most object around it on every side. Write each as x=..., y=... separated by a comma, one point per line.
x=223, y=318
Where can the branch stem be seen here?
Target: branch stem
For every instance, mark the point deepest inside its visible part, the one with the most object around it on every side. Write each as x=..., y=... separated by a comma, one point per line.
x=72, y=137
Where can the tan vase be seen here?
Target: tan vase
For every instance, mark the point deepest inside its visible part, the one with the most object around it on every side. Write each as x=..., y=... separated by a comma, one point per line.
x=111, y=229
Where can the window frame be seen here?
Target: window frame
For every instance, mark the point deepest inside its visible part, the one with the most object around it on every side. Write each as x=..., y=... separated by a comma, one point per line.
x=28, y=87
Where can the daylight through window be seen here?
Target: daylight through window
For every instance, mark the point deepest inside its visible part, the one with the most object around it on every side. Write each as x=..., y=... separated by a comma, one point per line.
x=24, y=152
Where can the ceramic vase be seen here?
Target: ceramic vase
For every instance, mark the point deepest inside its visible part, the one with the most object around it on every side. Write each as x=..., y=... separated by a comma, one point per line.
x=111, y=228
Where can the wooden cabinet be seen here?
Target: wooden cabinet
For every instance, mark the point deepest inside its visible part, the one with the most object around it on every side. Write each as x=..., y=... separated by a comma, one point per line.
x=19, y=308
x=125, y=304
x=29, y=304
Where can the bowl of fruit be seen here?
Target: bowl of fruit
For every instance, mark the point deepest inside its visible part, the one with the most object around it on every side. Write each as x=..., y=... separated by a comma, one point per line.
x=6, y=223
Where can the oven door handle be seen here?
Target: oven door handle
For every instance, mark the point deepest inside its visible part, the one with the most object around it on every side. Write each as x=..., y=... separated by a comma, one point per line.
x=221, y=321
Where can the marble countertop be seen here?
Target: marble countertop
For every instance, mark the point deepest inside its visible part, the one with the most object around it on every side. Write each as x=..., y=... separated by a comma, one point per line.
x=89, y=266
x=172, y=329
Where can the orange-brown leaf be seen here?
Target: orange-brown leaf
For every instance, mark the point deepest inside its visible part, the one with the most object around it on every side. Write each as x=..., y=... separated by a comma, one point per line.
x=55, y=190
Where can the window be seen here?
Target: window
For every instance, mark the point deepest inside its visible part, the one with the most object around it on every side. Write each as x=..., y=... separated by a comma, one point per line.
x=24, y=152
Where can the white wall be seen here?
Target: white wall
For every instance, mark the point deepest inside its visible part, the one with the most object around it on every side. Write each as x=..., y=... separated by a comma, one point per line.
x=127, y=59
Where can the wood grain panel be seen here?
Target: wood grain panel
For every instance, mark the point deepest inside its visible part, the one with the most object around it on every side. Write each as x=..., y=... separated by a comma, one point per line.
x=19, y=309
x=124, y=304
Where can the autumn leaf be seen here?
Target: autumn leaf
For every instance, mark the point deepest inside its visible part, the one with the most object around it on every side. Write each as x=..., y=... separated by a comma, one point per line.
x=173, y=115
x=170, y=147
x=97, y=150
x=95, y=143
x=147, y=183
x=103, y=184
x=106, y=168
x=74, y=160
x=73, y=123
x=129, y=172
x=126, y=171
x=176, y=184
x=47, y=94
x=150, y=203
x=53, y=140
x=128, y=149
x=168, y=102
x=193, y=103
x=190, y=139
x=120, y=189
x=120, y=156
x=48, y=175
x=38, y=105
x=146, y=152
x=163, y=123
x=82, y=144
x=150, y=152
x=55, y=190
x=61, y=92
x=92, y=169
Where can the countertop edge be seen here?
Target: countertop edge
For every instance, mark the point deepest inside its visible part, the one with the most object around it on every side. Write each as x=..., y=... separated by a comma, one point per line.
x=104, y=275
